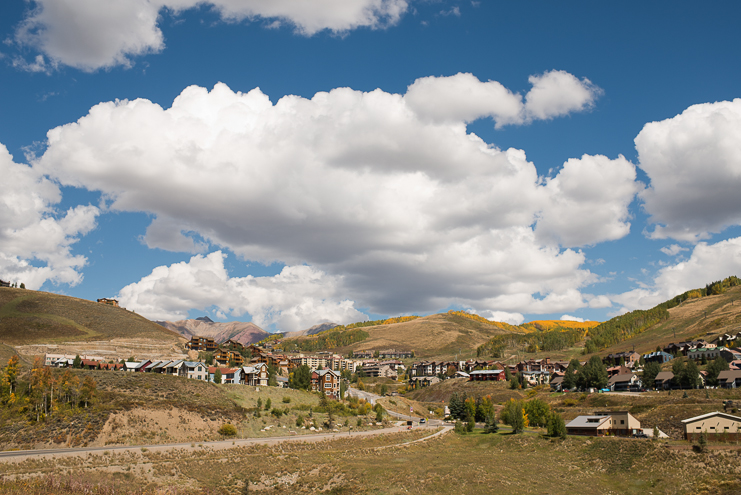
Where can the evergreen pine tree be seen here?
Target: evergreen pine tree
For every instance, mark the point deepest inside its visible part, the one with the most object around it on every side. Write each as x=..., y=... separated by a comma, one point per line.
x=492, y=426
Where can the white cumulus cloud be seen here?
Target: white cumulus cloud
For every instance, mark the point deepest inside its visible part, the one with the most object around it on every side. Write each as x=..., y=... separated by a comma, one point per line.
x=673, y=249
x=35, y=239
x=694, y=163
x=595, y=189
x=463, y=97
x=414, y=214
x=296, y=298
x=707, y=263
x=571, y=318
x=93, y=34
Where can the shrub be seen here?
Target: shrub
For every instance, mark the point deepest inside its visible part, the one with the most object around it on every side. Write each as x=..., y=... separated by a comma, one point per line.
x=460, y=428
x=556, y=426
x=286, y=400
x=227, y=430
x=491, y=424
x=300, y=421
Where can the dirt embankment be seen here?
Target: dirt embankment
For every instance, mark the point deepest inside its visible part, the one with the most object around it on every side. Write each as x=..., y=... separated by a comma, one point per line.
x=112, y=350
x=141, y=426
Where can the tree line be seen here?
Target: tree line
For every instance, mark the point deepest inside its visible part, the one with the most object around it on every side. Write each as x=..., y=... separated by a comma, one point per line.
x=329, y=339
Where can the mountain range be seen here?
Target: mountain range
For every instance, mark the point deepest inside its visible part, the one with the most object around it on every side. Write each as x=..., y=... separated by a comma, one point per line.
x=238, y=331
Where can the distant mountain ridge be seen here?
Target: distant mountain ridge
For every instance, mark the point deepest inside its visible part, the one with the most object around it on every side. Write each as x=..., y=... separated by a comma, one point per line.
x=310, y=331
x=238, y=331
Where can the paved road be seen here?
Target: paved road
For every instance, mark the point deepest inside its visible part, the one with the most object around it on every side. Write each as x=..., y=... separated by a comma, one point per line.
x=18, y=455
x=372, y=398
x=360, y=394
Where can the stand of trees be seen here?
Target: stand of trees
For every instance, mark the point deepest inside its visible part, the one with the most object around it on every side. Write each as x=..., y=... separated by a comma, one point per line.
x=48, y=391
x=329, y=339
x=549, y=340
x=686, y=373
x=300, y=378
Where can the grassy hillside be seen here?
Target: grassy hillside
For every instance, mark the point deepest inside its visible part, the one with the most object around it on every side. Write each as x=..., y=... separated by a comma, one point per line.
x=150, y=408
x=697, y=318
x=443, y=336
x=33, y=317
x=439, y=336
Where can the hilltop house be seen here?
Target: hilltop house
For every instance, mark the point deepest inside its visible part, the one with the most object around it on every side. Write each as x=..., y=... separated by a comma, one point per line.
x=628, y=358
x=624, y=382
x=327, y=381
x=255, y=375
x=3, y=283
x=394, y=354
x=362, y=354
x=660, y=357
x=717, y=426
x=663, y=380
x=620, y=423
x=709, y=353
x=729, y=379
x=223, y=357
x=486, y=375
x=201, y=344
x=195, y=370
x=110, y=302
x=228, y=375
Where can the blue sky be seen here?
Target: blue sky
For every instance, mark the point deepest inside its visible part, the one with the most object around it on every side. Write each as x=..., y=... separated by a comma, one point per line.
x=395, y=195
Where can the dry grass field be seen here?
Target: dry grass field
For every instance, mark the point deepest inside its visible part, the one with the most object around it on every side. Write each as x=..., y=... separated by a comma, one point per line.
x=442, y=336
x=705, y=318
x=470, y=464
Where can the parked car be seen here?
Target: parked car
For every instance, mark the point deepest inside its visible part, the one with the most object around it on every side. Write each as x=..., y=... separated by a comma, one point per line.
x=640, y=434
x=423, y=420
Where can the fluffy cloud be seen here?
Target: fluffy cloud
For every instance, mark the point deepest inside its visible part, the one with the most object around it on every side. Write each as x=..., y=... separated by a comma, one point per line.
x=571, y=318
x=708, y=262
x=31, y=230
x=295, y=299
x=463, y=97
x=694, y=162
x=90, y=34
x=557, y=93
x=414, y=214
x=596, y=189
x=673, y=250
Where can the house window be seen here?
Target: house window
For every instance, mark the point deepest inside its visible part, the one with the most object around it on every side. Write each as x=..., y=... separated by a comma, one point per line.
x=622, y=422
x=327, y=385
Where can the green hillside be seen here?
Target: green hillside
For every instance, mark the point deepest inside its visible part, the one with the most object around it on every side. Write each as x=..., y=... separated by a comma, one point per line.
x=33, y=317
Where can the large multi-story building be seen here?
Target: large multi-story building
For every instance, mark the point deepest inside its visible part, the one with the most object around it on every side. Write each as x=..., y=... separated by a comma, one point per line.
x=326, y=381
x=201, y=344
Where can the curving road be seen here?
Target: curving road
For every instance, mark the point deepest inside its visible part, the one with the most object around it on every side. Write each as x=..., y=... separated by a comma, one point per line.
x=372, y=398
x=18, y=455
